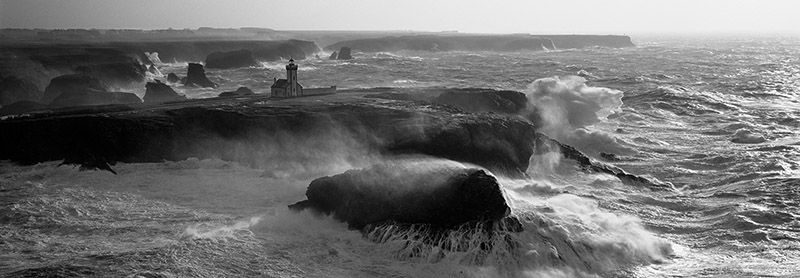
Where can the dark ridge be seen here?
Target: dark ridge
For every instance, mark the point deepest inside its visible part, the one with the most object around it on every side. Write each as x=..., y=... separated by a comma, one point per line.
x=482, y=43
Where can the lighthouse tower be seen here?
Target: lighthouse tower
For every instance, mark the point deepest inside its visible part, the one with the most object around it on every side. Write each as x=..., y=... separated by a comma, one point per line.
x=291, y=77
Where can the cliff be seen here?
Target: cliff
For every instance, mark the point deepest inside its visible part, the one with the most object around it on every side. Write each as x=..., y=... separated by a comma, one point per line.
x=258, y=132
x=122, y=65
x=193, y=51
x=482, y=42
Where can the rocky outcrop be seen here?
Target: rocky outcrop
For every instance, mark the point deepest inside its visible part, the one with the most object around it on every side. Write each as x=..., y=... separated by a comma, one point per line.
x=14, y=89
x=20, y=107
x=482, y=43
x=251, y=127
x=86, y=98
x=583, y=41
x=232, y=59
x=344, y=54
x=173, y=78
x=72, y=83
x=160, y=92
x=242, y=91
x=82, y=90
x=481, y=101
x=334, y=55
x=440, y=196
x=196, y=76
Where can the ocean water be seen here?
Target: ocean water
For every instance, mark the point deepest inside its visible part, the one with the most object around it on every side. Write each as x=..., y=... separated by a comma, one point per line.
x=718, y=118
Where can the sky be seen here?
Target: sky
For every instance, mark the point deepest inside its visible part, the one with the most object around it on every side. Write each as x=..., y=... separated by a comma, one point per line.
x=468, y=16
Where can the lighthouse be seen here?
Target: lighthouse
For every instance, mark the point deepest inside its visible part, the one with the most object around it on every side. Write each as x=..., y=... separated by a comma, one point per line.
x=288, y=87
x=291, y=76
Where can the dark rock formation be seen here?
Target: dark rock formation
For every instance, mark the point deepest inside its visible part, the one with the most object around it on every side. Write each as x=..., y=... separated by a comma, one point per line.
x=344, y=54
x=14, y=89
x=153, y=69
x=20, y=107
x=88, y=97
x=196, y=76
x=242, y=91
x=187, y=51
x=480, y=101
x=440, y=196
x=544, y=144
x=228, y=60
x=160, y=92
x=240, y=132
x=582, y=41
x=173, y=78
x=334, y=55
x=120, y=66
x=70, y=84
x=482, y=43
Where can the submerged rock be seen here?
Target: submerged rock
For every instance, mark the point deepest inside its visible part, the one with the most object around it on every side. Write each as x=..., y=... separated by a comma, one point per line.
x=441, y=196
x=196, y=76
x=160, y=92
x=232, y=59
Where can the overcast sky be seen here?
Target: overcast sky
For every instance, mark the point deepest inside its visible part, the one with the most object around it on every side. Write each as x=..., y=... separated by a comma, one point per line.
x=492, y=16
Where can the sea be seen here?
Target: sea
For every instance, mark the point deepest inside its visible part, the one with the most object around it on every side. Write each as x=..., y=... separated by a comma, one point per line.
x=715, y=117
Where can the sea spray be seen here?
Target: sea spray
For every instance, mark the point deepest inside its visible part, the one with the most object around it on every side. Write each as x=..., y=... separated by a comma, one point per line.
x=567, y=106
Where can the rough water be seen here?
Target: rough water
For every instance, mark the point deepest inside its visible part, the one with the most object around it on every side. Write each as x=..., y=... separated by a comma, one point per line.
x=718, y=118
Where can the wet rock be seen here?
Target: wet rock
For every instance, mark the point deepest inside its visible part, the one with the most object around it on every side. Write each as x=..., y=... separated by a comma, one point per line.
x=196, y=76
x=242, y=91
x=232, y=59
x=71, y=83
x=20, y=107
x=609, y=156
x=160, y=92
x=344, y=54
x=334, y=55
x=480, y=101
x=14, y=89
x=440, y=196
x=173, y=78
x=88, y=97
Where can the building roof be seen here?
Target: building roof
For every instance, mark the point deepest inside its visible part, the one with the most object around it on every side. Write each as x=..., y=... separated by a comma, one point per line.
x=280, y=83
x=283, y=83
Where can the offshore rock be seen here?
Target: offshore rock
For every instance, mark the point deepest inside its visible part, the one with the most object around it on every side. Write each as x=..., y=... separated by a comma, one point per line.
x=440, y=196
x=196, y=76
x=334, y=55
x=242, y=91
x=14, y=89
x=173, y=78
x=344, y=54
x=160, y=92
x=69, y=84
x=233, y=59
